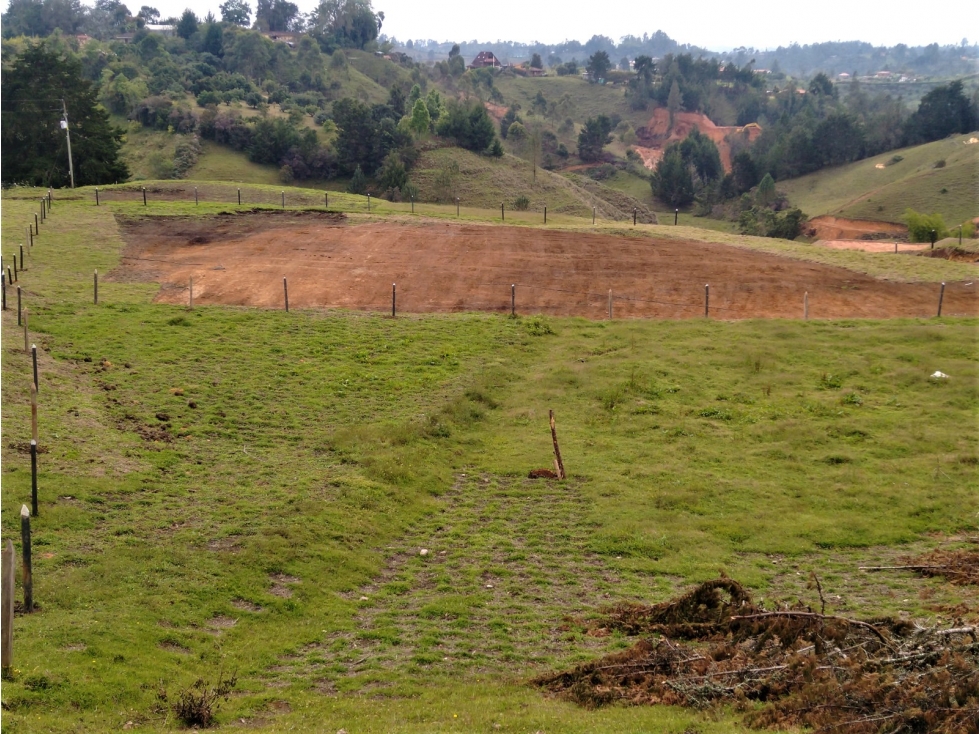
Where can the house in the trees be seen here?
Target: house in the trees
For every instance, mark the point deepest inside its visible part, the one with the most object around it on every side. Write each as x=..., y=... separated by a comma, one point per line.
x=486, y=59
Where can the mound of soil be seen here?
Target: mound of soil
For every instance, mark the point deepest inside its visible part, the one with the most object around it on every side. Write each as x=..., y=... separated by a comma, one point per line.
x=808, y=669
x=656, y=134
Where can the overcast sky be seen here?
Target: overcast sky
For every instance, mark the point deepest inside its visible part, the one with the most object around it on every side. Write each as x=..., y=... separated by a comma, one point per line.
x=706, y=23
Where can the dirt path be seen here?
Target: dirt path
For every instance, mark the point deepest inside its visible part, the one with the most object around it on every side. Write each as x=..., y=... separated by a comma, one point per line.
x=441, y=266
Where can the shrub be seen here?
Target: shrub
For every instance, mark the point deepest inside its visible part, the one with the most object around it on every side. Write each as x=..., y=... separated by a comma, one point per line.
x=197, y=704
x=285, y=174
x=920, y=226
x=521, y=203
x=894, y=159
x=940, y=163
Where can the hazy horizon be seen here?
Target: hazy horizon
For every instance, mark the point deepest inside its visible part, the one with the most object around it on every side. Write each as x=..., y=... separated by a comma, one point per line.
x=716, y=26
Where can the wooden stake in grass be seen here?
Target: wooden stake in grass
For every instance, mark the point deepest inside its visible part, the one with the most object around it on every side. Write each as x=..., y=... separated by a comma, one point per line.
x=634, y=212
x=27, y=347
x=16, y=275
x=394, y=299
x=34, y=477
x=34, y=360
x=10, y=278
x=144, y=196
x=25, y=538
x=609, y=304
x=196, y=200
x=412, y=204
x=805, y=306
x=239, y=197
x=285, y=290
x=513, y=299
x=96, y=196
x=676, y=216
x=707, y=301
x=502, y=215
x=18, y=306
x=283, y=199
x=457, y=207
x=191, y=291
x=368, y=203
x=545, y=215
x=326, y=199
x=3, y=289
x=941, y=297
x=95, y=287
x=593, y=216
x=35, y=225
x=30, y=235
x=34, y=411
x=558, y=464
x=21, y=257
x=7, y=608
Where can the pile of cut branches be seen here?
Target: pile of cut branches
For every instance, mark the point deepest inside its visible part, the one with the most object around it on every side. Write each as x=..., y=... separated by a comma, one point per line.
x=804, y=668
x=960, y=566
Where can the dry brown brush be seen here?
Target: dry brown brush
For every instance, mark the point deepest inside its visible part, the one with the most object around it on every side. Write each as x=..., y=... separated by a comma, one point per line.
x=786, y=667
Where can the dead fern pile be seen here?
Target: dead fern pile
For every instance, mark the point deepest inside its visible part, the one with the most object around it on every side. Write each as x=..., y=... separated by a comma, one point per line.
x=790, y=667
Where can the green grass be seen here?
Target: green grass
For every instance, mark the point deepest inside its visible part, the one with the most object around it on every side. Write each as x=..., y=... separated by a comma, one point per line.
x=862, y=191
x=221, y=163
x=484, y=182
x=586, y=100
x=220, y=487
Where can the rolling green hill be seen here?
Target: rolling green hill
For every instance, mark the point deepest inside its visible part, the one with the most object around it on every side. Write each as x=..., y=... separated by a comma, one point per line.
x=446, y=173
x=909, y=178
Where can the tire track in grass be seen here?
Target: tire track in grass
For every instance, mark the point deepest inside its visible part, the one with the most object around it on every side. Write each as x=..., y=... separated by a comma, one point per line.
x=505, y=561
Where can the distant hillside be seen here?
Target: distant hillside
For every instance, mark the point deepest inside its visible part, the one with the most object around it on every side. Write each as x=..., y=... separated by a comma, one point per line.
x=446, y=173
x=881, y=188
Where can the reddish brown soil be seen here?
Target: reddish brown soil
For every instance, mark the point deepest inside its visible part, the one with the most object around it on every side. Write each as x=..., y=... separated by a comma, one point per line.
x=871, y=245
x=838, y=228
x=656, y=134
x=441, y=266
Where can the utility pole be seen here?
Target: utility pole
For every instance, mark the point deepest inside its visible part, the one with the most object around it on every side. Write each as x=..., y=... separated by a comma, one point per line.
x=64, y=125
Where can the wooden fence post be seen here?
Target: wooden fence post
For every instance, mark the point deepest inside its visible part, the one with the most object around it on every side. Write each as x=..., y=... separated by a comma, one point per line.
x=27, y=341
x=7, y=607
x=545, y=215
x=18, y=306
x=239, y=197
x=805, y=306
x=28, y=578
x=196, y=200
x=283, y=199
x=95, y=285
x=941, y=297
x=96, y=196
x=502, y=214
x=707, y=301
x=593, y=216
x=144, y=196
x=609, y=304
x=558, y=464
x=513, y=299
x=191, y=291
x=394, y=294
x=3, y=290
x=368, y=203
x=285, y=289
x=634, y=212
x=34, y=477
x=34, y=361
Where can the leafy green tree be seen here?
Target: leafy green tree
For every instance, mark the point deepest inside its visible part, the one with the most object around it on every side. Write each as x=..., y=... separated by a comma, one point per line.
x=822, y=86
x=509, y=119
x=744, y=172
x=213, y=40
x=535, y=62
x=421, y=120
x=356, y=140
x=598, y=66
x=347, y=23
x=671, y=180
x=358, y=182
x=34, y=149
x=942, y=112
x=766, y=190
x=701, y=153
x=393, y=174
x=248, y=53
x=275, y=15
x=237, y=12
x=187, y=25
x=436, y=108
x=468, y=124
x=920, y=226
x=594, y=136
x=838, y=139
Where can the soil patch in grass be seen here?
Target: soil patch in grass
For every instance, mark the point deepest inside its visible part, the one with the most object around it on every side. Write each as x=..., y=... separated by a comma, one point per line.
x=241, y=259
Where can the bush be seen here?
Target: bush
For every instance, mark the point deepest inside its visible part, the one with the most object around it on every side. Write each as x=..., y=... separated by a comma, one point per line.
x=939, y=163
x=920, y=226
x=197, y=705
x=285, y=174
x=521, y=203
x=205, y=99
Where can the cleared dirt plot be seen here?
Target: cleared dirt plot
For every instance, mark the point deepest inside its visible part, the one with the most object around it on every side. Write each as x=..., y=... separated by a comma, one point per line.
x=241, y=259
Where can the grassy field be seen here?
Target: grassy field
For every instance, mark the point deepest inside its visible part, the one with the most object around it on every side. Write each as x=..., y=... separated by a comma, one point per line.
x=227, y=489
x=862, y=191
x=446, y=173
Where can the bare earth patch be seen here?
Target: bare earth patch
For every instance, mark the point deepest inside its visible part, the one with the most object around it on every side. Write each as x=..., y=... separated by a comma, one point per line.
x=443, y=266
